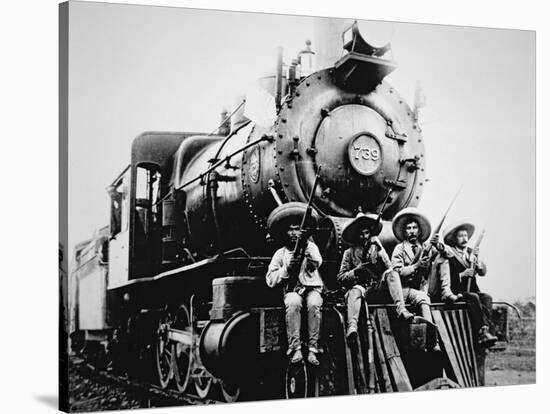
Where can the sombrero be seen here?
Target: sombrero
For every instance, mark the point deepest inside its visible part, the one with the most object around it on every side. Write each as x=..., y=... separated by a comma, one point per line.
x=287, y=214
x=404, y=216
x=353, y=229
x=449, y=233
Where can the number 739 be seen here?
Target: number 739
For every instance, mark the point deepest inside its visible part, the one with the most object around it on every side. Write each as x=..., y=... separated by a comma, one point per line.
x=366, y=153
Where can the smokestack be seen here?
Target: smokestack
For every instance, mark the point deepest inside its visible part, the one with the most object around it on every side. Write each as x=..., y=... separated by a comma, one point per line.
x=328, y=40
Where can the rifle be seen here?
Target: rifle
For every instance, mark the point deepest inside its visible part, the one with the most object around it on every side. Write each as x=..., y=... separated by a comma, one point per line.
x=474, y=261
x=377, y=245
x=301, y=243
x=427, y=253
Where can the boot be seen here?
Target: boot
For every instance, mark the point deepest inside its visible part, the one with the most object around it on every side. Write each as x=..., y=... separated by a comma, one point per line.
x=426, y=312
x=312, y=358
x=296, y=357
x=396, y=293
x=403, y=314
x=485, y=339
x=449, y=298
x=351, y=335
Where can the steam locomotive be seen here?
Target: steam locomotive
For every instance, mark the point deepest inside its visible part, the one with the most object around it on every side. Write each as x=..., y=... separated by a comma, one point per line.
x=176, y=291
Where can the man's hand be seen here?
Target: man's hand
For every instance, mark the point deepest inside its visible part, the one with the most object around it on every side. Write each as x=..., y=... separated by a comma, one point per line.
x=475, y=251
x=424, y=263
x=436, y=243
x=467, y=273
x=311, y=265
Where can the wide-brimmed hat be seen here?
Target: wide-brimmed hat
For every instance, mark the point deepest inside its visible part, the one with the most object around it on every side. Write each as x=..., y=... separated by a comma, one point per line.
x=406, y=215
x=449, y=232
x=362, y=221
x=288, y=214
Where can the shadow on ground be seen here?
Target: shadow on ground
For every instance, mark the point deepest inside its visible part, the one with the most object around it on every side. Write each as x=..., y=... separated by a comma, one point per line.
x=48, y=400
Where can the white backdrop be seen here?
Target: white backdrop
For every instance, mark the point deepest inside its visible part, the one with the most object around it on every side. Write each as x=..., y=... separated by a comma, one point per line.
x=29, y=211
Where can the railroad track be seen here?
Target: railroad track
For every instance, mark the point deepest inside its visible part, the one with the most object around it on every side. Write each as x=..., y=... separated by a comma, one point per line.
x=152, y=395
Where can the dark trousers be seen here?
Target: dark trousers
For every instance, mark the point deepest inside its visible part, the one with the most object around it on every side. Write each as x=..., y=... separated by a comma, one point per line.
x=481, y=308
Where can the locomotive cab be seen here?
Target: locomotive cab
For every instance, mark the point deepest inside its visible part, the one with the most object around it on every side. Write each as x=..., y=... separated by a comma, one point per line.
x=119, y=192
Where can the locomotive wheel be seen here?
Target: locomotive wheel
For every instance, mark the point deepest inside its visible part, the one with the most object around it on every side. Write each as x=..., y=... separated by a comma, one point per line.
x=230, y=392
x=163, y=352
x=296, y=381
x=181, y=353
x=203, y=382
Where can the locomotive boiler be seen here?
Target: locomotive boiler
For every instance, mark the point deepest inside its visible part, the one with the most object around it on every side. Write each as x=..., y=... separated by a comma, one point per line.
x=189, y=246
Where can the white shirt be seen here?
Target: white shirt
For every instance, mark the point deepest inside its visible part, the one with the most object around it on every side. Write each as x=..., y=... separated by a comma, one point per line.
x=277, y=271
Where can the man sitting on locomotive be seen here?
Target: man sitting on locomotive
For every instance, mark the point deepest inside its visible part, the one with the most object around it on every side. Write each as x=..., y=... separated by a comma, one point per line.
x=284, y=225
x=459, y=270
x=366, y=271
x=414, y=261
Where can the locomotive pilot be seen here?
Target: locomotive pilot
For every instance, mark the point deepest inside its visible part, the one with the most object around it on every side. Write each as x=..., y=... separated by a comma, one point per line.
x=413, y=260
x=459, y=271
x=366, y=271
x=284, y=225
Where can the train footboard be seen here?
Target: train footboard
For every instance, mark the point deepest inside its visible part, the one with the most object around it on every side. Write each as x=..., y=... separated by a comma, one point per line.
x=388, y=355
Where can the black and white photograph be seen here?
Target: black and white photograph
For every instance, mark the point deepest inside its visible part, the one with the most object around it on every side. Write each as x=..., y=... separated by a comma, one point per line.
x=273, y=206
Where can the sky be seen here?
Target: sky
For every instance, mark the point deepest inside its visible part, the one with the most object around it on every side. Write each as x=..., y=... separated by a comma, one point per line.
x=138, y=68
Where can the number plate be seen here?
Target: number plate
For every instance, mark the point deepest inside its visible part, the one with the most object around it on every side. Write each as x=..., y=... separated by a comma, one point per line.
x=365, y=154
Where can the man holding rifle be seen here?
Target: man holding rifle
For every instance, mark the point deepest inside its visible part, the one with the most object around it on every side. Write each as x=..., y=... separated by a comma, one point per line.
x=298, y=275
x=366, y=271
x=459, y=271
x=414, y=260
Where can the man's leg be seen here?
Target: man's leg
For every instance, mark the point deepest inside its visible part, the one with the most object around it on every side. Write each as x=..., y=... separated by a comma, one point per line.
x=421, y=300
x=314, y=301
x=474, y=305
x=480, y=317
x=396, y=292
x=354, y=298
x=442, y=273
x=486, y=301
x=485, y=337
x=293, y=315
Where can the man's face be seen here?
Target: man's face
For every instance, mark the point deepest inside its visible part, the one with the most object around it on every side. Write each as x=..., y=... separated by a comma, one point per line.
x=293, y=232
x=412, y=231
x=364, y=236
x=462, y=238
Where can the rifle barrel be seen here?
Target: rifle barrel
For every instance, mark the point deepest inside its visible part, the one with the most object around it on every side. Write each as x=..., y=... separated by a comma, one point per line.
x=301, y=243
x=473, y=260
x=438, y=228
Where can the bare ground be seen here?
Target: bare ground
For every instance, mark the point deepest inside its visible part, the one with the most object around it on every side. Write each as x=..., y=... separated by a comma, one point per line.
x=516, y=364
